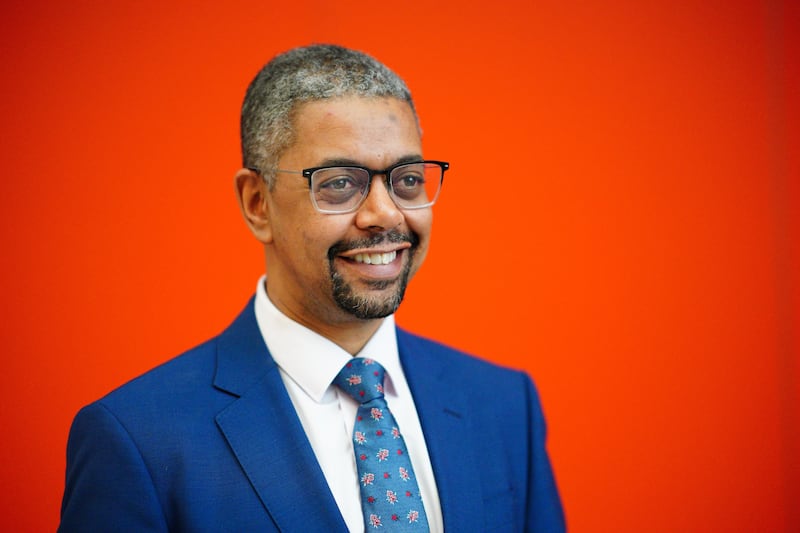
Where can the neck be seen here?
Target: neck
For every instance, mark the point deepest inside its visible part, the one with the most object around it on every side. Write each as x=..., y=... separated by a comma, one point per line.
x=348, y=332
x=350, y=338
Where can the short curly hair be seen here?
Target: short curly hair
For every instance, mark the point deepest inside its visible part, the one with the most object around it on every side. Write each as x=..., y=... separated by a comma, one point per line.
x=300, y=75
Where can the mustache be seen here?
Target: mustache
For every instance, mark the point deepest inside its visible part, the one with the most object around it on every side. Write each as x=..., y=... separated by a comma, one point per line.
x=392, y=236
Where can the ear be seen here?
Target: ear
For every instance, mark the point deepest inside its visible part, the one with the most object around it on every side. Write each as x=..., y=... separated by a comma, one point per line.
x=251, y=191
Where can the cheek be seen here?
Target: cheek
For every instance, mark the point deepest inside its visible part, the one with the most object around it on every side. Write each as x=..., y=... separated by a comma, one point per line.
x=314, y=249
x=420, y=223
x=318, y=236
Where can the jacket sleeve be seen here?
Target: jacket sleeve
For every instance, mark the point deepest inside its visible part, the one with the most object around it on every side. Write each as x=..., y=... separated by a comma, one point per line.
x=108, y=486
x=544, y=511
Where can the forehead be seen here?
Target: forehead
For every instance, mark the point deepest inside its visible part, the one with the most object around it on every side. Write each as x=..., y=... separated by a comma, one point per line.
x=356, y=127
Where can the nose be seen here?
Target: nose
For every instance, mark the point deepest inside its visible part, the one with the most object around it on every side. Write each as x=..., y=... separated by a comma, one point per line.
x=378, y=212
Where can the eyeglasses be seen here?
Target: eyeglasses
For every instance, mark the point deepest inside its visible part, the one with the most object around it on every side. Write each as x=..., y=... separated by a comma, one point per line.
x=342, y=189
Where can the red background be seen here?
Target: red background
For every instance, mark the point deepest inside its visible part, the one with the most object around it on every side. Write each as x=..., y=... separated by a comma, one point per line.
x=621, y=220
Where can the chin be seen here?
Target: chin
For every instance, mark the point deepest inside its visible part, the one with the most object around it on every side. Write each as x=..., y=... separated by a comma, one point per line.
x=370, y=306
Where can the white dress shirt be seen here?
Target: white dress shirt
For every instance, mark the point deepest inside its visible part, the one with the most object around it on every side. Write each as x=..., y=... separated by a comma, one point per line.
x=308, y=362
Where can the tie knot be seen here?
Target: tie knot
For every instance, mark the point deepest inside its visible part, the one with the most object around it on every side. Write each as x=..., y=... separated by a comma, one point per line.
x=362, y=379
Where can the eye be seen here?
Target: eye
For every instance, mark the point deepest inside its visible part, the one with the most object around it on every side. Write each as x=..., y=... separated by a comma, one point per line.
x=338, y=179
x=338, y=186
x=409, y=183
x=340, y=183
x=411, y=180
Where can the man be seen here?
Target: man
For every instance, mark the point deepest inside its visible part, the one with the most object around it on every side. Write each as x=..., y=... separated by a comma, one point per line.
x=256, y=430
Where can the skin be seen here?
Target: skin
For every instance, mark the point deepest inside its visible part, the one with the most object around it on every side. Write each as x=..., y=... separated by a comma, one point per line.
x=306, y=250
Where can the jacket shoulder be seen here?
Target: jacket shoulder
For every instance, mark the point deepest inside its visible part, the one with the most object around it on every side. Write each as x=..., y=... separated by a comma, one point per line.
x=459, y=364
x=185, y=373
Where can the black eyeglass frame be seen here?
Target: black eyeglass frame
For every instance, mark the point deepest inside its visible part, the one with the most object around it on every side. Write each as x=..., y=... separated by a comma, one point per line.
x=308, y=172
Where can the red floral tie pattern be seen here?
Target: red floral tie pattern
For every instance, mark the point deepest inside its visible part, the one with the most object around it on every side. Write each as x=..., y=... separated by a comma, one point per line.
x=390, y=496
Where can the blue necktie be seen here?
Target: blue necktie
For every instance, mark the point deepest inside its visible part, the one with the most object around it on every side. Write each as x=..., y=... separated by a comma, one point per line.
x=390, y=496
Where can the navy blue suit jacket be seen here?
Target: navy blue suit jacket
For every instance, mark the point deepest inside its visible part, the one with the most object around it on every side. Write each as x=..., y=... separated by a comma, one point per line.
x=210, y=441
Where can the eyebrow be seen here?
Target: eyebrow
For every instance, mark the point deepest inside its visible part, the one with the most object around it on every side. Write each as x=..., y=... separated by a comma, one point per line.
x=344, y=162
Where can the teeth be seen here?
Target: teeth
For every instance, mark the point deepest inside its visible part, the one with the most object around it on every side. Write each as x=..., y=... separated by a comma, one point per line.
x=375, y=259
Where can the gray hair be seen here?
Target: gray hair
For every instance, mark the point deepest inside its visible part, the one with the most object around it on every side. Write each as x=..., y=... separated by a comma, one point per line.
x=300, y=75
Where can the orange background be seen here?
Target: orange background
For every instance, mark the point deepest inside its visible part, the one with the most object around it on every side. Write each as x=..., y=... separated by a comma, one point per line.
x=621, y=220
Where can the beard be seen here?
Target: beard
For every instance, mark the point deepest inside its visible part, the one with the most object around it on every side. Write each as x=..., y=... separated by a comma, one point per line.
x=362, y=305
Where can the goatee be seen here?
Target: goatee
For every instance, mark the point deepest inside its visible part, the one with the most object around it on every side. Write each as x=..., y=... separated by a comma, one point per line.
x=361, y=305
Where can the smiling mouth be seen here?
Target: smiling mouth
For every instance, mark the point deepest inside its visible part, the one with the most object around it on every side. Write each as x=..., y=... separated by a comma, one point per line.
x=376, y=258
x=379, y=249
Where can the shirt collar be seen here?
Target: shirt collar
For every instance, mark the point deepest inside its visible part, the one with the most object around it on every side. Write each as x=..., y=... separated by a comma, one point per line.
x=311, y=360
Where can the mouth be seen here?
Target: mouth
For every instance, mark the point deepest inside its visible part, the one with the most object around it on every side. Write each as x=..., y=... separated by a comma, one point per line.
x=375, y=258
x=375, y=263
x=379, y=249
x=379, y=258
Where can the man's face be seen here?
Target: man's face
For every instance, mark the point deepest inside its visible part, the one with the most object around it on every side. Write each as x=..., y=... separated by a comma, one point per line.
x=326, y=269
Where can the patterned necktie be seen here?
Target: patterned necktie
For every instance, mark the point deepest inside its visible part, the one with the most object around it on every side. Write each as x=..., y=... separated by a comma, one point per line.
x=389, y=494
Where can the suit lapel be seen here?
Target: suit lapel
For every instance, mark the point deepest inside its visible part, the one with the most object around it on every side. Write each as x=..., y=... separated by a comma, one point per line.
x=443, y=412
x=265, y=434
